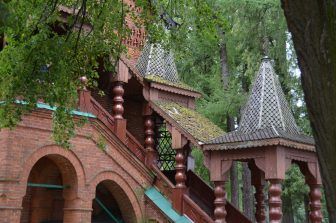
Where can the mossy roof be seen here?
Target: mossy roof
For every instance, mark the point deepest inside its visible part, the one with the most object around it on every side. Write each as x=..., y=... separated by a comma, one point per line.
x=200, y=127
x=160, y=80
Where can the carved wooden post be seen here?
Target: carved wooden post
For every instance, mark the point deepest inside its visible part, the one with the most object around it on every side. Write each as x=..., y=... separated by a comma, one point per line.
x=180, y=178
x=118, y=100
x=275, y=202
x=315, y=214
x=258, y=181
x=220, y=202
x=84, y=102
x=118, y=110
x=149, y=140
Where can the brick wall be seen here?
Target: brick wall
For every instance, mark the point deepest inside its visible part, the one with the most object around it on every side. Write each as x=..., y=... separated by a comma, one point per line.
x=82, y=167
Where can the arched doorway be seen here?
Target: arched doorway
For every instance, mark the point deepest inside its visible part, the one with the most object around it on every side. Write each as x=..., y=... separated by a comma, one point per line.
x=51, y=182
x=111, y=204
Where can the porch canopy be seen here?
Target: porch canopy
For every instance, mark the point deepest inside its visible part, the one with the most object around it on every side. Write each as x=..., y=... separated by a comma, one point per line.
x=269, y=139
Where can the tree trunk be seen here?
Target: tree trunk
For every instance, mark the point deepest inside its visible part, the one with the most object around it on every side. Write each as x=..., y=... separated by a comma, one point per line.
x=288, y=215
x=247, y=192
x=313, y=27
x=230, y=124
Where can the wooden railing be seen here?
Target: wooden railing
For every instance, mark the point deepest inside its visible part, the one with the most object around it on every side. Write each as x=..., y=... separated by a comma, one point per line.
x=87, y=103
x=194, y=211
x=135, y=146
x=203, y=195
x=162, y=183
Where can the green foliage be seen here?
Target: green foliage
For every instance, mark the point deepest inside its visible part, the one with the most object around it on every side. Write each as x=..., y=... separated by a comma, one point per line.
x=101, y=143
x=46, y=53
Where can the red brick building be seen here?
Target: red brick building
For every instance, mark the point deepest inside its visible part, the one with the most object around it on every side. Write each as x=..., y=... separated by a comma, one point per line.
x=131, y=161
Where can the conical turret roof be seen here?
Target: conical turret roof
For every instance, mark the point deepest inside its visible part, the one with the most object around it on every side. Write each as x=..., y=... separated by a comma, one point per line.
x=155, y=61
x=266, y=116
x=267, y=106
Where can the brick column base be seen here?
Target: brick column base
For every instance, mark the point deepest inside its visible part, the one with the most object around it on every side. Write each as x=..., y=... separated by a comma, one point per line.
x=10, y=214
x=77, y=215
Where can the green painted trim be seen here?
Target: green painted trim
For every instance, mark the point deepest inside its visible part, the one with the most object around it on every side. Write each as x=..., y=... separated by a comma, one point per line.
x=48, y=107
x=165, y=206
x=50, y=186
x=115, y=219
x=74, y=112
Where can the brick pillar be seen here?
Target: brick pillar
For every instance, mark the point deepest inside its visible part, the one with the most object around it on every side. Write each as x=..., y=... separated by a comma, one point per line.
x=315, y=214
x=10, y=213
x=220, y=202
x=11, y=196
x=149, y=141
x=118, y=109
x=275, y=202
x=77, y=211
x=180, y=178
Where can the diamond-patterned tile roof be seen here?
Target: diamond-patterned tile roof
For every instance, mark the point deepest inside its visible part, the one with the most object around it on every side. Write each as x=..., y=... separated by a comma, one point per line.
x=267, y=106
x=266, y=115
x=154, y=60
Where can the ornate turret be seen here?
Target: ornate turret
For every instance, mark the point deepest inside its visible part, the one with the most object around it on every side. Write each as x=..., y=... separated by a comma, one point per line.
x=155, y=61
x=269, y=141
x=267, y=106
x=266, y=115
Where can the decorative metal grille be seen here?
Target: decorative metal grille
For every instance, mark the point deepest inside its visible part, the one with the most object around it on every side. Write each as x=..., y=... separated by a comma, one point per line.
x=267, y=106
x=154, y=60
x=163, y=142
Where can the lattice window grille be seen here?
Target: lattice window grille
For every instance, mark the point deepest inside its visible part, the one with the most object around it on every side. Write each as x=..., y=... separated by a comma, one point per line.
x=166, y=154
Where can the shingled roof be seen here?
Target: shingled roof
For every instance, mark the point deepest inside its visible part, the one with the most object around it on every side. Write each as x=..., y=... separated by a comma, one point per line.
x=266, y=115
x=195, y=126
x=154, y=60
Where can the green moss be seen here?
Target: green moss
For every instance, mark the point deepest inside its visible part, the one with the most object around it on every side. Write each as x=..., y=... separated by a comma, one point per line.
x=191, y=121
x=160, y=80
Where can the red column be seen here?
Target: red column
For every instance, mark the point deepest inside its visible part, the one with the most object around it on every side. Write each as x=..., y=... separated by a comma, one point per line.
x=220, y=201
x=315, y=214
x=118, y=100
x=149, y=141
x=275, y=202
x=180, y=178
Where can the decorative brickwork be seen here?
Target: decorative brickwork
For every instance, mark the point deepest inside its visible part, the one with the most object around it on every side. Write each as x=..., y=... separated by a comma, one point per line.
x=29, y=155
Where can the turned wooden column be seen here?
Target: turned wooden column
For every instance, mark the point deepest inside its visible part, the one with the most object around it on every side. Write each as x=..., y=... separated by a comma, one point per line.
x=149, y=140
x=118, y=100
x=220, y=202
x=275, y=202
x=180, y=178
x=315, y=195
x=118, y=110
x=260, y=203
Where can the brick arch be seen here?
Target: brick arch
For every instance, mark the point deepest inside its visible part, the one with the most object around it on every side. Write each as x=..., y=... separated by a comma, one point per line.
x=67, y=162
x=130, y=205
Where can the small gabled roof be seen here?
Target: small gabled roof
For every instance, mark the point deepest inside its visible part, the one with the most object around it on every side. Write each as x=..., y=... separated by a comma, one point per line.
x=267, y=116
x=190, y=123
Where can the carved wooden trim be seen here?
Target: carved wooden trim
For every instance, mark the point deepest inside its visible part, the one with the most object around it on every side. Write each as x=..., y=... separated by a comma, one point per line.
x=175, y=90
